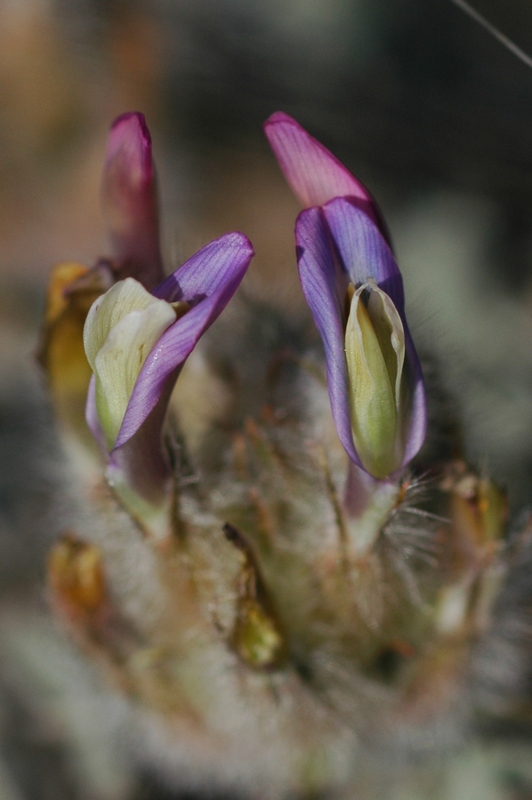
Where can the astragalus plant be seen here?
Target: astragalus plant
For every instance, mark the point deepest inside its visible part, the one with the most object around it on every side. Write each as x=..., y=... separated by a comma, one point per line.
x=276, y=546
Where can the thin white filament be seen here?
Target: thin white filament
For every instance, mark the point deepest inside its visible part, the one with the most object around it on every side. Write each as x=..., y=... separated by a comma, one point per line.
x=495, y=32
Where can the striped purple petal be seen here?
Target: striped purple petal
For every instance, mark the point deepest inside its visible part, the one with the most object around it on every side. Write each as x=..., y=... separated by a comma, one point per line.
x=313, y=173
x=207, y=271
x=129, y=196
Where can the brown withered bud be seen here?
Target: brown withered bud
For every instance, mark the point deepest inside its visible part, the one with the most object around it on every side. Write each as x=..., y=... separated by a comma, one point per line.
x=76, y=580
x=72, y=290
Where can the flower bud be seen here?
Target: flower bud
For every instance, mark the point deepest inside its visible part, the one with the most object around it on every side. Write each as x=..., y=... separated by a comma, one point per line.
x=129, y=195
x=136, y=344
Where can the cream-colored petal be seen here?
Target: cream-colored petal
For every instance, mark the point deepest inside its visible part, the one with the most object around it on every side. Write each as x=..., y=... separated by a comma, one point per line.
x=371, y=393
x=389, y=331
x=121, y=330
x=110, y=308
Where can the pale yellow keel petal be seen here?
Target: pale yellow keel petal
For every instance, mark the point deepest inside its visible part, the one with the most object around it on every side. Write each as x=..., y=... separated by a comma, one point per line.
x=122, y=328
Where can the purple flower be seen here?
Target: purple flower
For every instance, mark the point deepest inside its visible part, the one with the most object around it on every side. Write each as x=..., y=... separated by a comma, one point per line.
x=140, y=332
x=355, y=291
x=136, y=343
x=129, y=197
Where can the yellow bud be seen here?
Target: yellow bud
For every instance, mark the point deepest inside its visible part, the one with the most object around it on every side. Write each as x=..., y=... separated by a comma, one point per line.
x=72, y=290
x=76, y=578
x=256, y=637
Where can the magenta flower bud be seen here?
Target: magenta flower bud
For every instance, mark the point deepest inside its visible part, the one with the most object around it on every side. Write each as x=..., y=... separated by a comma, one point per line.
x=129, y=196
x=313, y=173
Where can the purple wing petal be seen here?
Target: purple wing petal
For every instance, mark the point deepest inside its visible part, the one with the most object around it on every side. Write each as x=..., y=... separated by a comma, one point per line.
x=142, y=462
x=177, y=342
x=130, y=200
x=318, y=280
x=314, y=174
x=208, y=270
x=417, y=426
x=363, y=249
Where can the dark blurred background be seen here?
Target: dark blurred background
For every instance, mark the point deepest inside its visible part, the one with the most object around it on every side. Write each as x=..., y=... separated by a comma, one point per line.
x=423, y=105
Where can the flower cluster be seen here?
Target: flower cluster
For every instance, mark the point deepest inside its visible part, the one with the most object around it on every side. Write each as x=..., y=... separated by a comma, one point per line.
x=260, y=568
x=138, y=334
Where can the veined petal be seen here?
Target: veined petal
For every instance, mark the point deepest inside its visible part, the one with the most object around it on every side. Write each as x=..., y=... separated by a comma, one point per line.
x=313, y=173
x=344, y=240
x=363, y=250
x=318, y=280
x=220, y=267
x=208, y=270
x=129, y=197
x=121, y=328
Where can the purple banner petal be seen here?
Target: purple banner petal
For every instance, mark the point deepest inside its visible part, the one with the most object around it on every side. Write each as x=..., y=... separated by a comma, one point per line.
x=129, y=198
x=313, y=173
